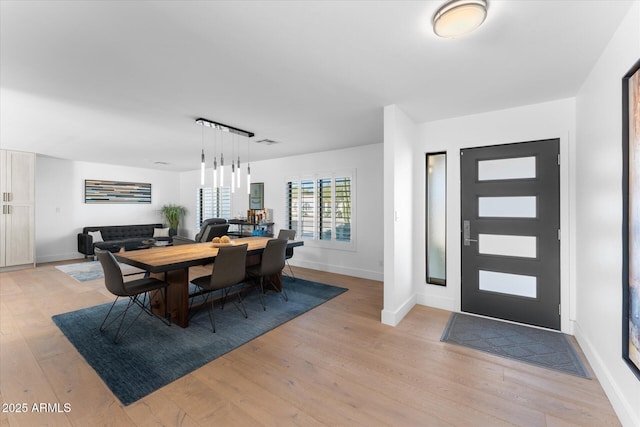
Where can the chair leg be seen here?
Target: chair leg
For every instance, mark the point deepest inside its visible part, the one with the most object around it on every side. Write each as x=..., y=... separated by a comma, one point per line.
x=282, y=290
x=239, y=305
x=211, y=319
x=205, y=297
x=261, y=295
x=293, y=277
x=102, y=326
x=132, y=300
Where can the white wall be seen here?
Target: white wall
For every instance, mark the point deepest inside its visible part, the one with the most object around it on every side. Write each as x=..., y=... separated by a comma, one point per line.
x=399, y=234
x=61, y=212
x=365, y=161
x=599, y=219
x=548, y=120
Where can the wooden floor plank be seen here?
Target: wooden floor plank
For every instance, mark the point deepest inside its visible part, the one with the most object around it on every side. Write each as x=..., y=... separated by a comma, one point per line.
x=335, y=365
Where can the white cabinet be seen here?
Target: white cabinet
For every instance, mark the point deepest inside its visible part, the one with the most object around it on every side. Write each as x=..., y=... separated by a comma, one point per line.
x=17, y=222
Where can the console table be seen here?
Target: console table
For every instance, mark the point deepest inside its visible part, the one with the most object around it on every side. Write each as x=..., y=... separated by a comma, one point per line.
x=246, y=228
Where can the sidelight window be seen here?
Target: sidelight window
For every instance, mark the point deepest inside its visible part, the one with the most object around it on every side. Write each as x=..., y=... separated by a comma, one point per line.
x=436, y=223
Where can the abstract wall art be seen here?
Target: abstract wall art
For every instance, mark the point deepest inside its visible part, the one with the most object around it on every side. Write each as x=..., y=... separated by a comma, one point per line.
x=97, y=191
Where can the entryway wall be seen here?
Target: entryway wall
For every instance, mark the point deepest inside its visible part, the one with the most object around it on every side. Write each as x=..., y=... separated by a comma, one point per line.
x=547, y=120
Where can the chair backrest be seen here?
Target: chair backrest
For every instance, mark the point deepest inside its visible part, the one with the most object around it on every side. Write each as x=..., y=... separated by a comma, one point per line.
x=288, y=234
x=215, y=230
x=285, y=233
x=229, y=266
x=113, y=279
x=205, y=227
x=273, y=257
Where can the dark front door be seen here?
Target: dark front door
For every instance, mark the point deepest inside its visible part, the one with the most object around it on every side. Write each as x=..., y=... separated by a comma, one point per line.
x=510, y=232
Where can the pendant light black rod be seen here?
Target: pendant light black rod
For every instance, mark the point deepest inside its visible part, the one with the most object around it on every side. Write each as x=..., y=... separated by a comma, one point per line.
x=217, y=125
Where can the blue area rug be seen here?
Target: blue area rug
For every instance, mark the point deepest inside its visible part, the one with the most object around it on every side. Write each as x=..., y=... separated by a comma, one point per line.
x=152, y=355
x=544, y=348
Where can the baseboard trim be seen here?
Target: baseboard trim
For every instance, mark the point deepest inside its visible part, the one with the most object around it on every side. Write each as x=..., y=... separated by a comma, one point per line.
x=59, y=257
x=355, y=272
x=394, y=317
x=442, y=303
x=621, y=405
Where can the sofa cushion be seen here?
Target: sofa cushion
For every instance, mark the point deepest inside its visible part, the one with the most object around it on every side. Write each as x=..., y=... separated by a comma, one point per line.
x=161, y=232
x=96, y=236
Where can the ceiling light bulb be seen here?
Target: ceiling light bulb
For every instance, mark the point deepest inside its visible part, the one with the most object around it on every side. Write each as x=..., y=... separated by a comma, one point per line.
x=459, y=17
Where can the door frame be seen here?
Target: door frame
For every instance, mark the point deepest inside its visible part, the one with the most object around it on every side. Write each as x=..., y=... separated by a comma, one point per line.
x=543, y=309
x=567, y=221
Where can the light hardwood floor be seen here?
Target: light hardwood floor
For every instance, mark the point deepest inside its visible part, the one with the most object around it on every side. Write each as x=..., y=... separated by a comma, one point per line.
x=336, y=365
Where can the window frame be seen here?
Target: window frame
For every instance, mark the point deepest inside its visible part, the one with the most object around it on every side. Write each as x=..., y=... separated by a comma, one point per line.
x=314, y=240
x=217, y=211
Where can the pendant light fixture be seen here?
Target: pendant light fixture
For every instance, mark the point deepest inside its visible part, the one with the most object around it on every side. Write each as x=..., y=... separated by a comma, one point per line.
x=202, y=161
x=215, y=157
x=238, y=165
x=233, y=168
x=459, y=17
x=248, y=170
x=221, y=129
x=222, y=161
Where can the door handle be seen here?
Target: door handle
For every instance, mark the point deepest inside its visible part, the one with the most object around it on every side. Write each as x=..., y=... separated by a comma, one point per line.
x=466, y=233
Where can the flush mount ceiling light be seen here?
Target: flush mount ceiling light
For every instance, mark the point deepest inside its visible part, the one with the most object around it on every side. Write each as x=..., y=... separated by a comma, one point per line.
x=459, y=17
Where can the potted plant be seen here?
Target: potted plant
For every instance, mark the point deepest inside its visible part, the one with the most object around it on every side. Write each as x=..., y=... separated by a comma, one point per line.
x=173, y=213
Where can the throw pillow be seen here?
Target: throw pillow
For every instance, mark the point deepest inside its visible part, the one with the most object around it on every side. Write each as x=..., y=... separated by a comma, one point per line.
x=161, y=232
x=97, y=236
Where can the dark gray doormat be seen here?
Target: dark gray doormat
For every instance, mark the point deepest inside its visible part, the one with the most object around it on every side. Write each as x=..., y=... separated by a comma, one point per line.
x=544, y=348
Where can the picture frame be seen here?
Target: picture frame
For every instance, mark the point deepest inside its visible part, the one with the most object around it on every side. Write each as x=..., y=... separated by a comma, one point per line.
x=256, y=195
x=103, y=192
x=631, y=218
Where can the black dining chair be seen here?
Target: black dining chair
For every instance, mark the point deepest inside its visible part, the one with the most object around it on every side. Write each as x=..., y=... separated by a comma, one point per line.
x=288, y=234
x=138, y=291
x=210, y=228
x=228, y=271
x=271, y=264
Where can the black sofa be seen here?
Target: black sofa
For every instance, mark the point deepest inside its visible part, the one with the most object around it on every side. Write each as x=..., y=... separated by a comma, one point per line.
x=117, y=236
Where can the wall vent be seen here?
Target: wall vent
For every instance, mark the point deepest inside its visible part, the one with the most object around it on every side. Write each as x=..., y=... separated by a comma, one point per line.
x=267, y=142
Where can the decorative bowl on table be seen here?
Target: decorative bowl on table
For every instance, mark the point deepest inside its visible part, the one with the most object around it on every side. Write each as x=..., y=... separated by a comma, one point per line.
x=148, y=242
x=219, y=242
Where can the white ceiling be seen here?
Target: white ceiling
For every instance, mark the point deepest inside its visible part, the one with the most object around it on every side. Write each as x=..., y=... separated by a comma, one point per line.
x=122, y=82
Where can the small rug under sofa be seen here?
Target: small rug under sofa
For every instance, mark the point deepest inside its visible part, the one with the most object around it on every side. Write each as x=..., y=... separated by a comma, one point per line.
x=91, y=270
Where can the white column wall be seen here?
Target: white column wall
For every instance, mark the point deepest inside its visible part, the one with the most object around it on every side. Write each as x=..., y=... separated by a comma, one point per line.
x=399, y=233
x=599, y=219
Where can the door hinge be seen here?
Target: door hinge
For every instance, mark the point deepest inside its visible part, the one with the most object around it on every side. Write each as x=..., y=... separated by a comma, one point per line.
x=558, y=159
x=558, y=234
x=559, y=309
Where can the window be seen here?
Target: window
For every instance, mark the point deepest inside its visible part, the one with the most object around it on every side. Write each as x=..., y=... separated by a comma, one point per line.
x=321, y=208
x=213, y=203
x=436, y=213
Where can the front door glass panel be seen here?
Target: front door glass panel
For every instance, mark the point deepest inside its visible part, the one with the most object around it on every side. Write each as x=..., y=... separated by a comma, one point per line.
x=506, y=283
x=512, y=168
x=504, y=245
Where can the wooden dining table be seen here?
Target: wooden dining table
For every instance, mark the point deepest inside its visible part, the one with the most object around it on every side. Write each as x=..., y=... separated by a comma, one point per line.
x=172, y=263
